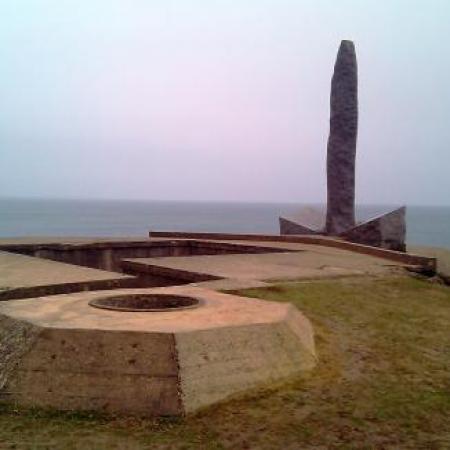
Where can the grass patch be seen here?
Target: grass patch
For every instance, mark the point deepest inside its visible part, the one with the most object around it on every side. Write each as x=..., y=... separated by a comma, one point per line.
x=382, y=383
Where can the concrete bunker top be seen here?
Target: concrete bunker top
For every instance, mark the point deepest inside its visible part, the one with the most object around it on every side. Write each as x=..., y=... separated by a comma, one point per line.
x=218, y=310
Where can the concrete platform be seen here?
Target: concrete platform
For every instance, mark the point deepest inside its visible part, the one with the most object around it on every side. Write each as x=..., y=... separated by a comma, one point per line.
x=422, y=263
x=57, y=351
x=307, y=262
x=61, y=352
x=64, y=265
x=22, y=276
x=442, y=256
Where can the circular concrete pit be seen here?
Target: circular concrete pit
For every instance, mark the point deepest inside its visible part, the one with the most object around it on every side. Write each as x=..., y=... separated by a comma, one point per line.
x=146, y=302
x=60, y=352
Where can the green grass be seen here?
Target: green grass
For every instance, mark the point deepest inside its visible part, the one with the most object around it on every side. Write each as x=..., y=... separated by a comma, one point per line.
x=383, y=382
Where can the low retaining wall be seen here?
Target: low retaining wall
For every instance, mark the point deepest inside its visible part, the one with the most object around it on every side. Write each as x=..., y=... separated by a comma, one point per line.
x=67, y=288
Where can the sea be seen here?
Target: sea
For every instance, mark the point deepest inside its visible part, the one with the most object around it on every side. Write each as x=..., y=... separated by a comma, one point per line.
x=426, y=225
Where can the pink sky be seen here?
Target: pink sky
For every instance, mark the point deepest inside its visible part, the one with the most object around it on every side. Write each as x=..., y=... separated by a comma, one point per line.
x=215, y=100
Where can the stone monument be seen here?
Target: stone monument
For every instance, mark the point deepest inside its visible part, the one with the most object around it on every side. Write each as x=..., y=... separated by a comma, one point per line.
x=385, y=230
x=342, y=141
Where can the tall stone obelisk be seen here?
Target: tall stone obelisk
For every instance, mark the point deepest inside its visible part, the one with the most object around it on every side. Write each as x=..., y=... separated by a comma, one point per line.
x=387, y=230
x=342, y=141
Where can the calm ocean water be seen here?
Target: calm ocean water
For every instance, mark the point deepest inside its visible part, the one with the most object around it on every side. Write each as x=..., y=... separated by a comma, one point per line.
x=18, y=217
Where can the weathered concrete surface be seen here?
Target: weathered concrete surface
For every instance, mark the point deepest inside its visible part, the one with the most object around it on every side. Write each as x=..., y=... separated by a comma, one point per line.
x=19, y=273
x=314, y=217
x=307, y=221
x=16, y=339
x=159, y=363
x=84, y=240
x=235, y=359
x=425, y=263
x=107, y=254
x=442, y=256
x=27, y=277
x=84, y=369
x=309, y=262
x=231, y=284
x=385, y=231
x=342, y=141
x=288, y=226
x=382, y=230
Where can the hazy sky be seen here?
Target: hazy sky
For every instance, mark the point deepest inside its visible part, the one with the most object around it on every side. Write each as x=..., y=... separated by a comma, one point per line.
x=220, y=100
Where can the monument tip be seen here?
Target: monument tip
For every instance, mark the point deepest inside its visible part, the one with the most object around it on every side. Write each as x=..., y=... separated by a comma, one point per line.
x=347, y=46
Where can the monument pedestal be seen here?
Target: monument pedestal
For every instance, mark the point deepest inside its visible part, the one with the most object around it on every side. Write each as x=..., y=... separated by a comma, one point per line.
x=385, y=230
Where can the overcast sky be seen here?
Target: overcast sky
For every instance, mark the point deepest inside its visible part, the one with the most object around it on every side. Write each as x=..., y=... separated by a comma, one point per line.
x=220, y=100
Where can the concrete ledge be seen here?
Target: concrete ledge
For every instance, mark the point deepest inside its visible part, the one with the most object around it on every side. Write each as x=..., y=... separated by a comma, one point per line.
x=107, y=255
x=177, y=275
x=34, y=248
x=23, y=276
x=67, y=288
x=425, y=264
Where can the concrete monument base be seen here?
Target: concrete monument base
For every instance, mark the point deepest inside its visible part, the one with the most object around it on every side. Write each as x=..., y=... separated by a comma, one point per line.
x=385, y=230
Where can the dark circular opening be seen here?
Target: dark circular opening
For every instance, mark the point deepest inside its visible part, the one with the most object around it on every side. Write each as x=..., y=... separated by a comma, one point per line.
x=146, y=302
